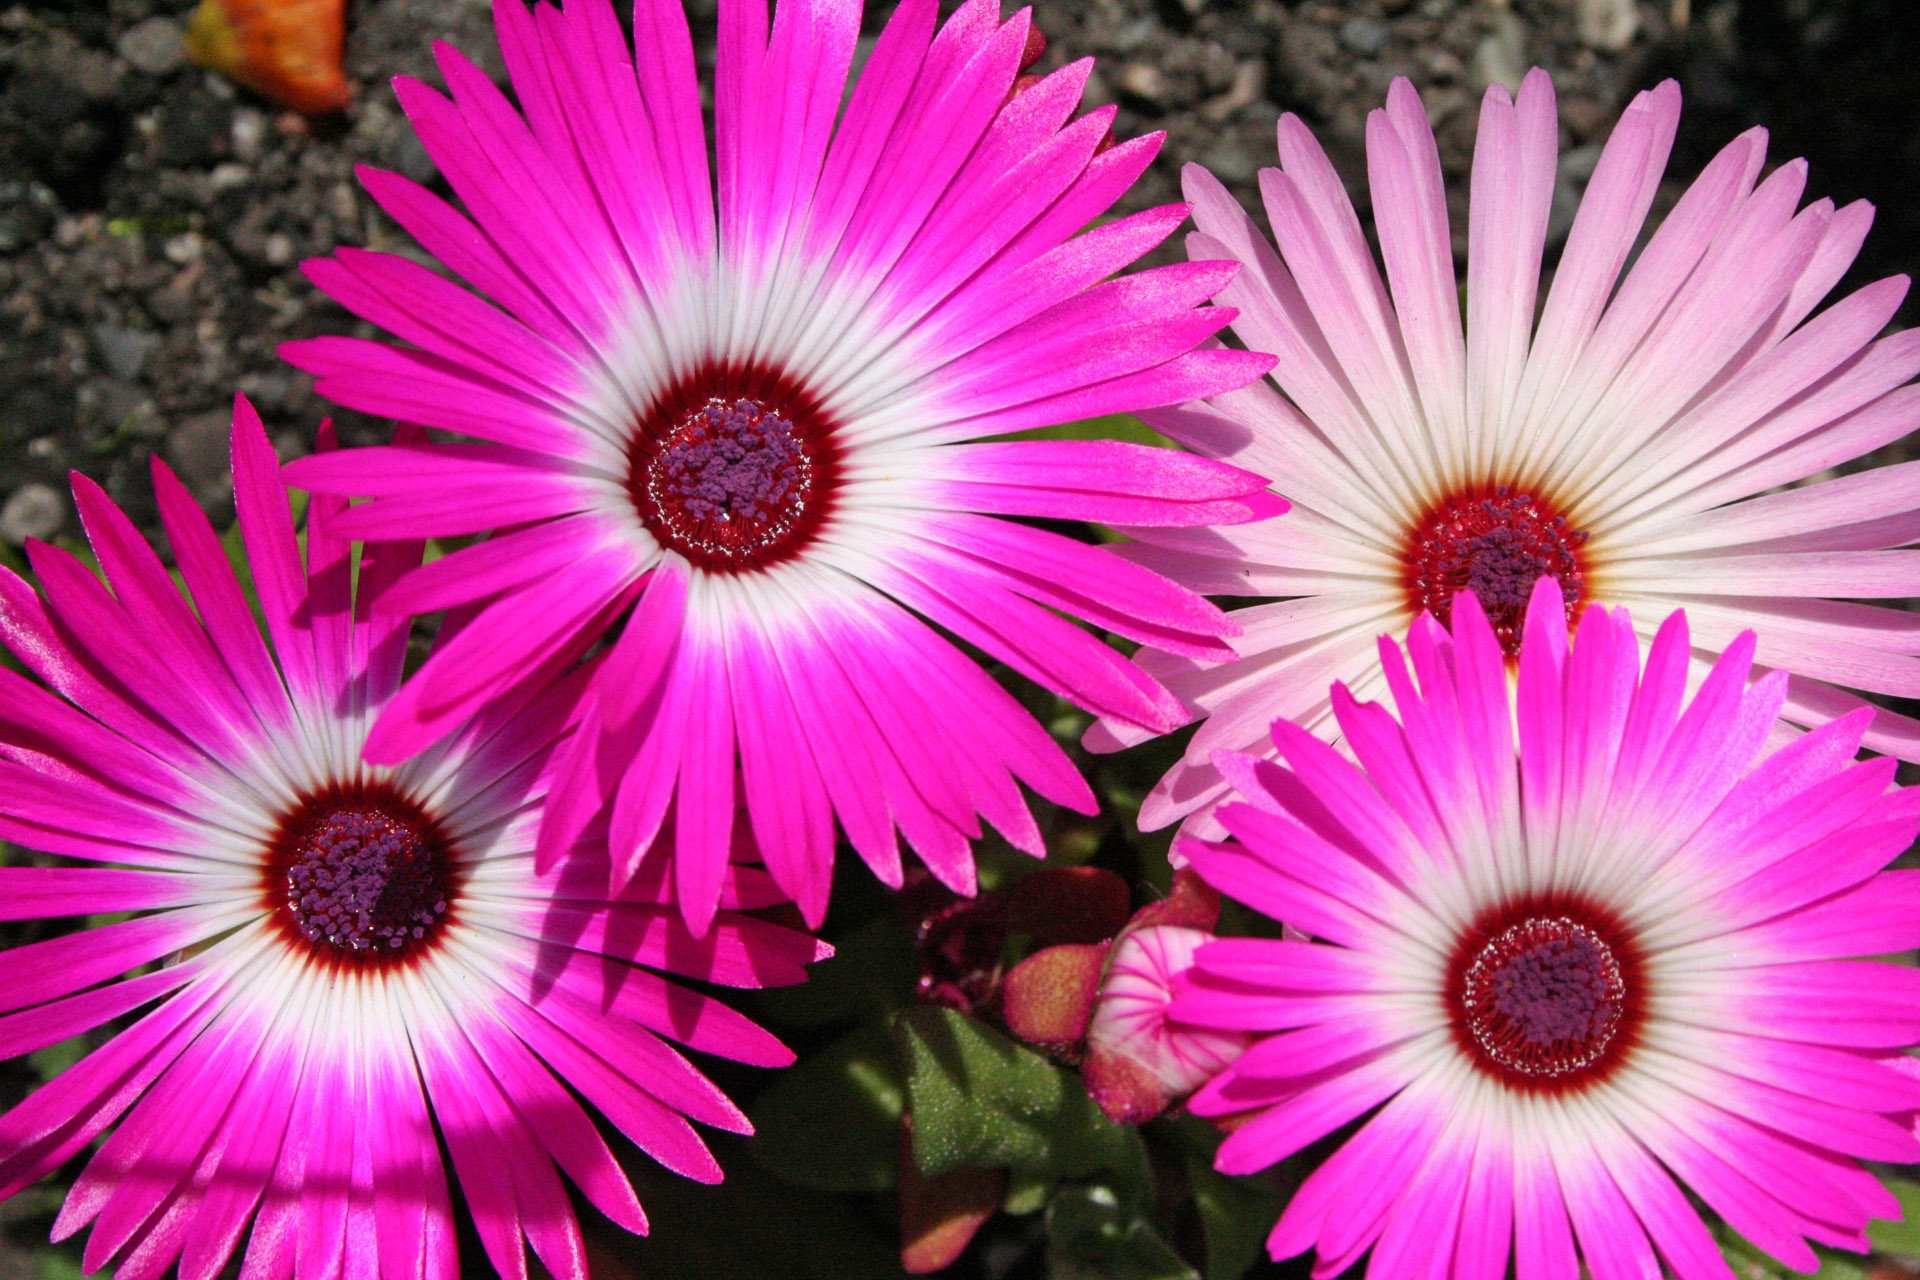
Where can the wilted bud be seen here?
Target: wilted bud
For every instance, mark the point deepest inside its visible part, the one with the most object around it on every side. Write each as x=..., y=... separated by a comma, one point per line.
x=1138, y=1061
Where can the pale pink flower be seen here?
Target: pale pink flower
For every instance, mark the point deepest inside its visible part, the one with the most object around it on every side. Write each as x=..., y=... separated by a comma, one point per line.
x=1626, y=438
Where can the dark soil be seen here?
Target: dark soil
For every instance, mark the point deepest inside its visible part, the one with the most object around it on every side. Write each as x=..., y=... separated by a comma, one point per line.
x=153, y=216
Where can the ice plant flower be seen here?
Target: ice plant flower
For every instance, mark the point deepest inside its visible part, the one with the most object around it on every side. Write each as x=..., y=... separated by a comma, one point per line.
x=341, y=964
x=1617, y=445
x=1576, y=951
x=748, y=425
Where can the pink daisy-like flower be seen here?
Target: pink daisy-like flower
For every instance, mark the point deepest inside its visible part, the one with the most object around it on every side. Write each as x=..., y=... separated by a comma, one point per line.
x=748, y=423
x=1564, y=981
x=1617, y=443
x=341, y=964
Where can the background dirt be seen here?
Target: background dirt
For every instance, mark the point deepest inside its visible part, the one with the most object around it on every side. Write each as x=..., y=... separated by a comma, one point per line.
x=153, y=215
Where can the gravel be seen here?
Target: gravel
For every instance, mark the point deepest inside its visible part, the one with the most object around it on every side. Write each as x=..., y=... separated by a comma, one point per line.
x=153, y=216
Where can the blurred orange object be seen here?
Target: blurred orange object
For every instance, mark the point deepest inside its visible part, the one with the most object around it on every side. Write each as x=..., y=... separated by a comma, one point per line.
x=290, y=50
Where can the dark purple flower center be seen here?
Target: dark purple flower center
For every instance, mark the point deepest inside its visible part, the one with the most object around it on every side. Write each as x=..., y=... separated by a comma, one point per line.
x=1495, y=543
x=361, y=874
x=1544, y=999
x=734, y=470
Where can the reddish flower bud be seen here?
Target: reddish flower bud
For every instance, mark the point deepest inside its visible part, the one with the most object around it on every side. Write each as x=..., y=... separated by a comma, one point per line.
x=1138, y=1061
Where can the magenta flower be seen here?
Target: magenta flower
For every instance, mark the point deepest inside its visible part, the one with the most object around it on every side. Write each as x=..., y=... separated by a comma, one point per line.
x=748, y=424
x=1618, y=444
x=337, y=960
x=1561, y=983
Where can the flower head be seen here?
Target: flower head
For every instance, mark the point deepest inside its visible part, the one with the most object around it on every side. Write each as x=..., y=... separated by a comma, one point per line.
x=338, y=960
x=1560, y=982
x=1616, y=445
x=743, y=426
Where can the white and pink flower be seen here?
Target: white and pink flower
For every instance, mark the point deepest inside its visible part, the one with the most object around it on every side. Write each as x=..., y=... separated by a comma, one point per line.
x=1561, y=986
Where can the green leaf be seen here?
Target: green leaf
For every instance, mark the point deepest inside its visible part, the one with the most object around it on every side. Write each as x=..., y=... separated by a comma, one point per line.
x=1092, y=1235
x=751, y=1225
x=1027, y=1192
x=870, y=974
x=1235, y=1213
x=1749, y=1263
x=1113, y=426
x=832, y=1123
x=1901, y=1238
x=235, y=545
x=56, y=1264
x=980, y=1099
x=55, y=1058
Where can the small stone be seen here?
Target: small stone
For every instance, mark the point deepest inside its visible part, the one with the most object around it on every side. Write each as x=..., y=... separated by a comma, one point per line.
x=408, y=156
x=1578, y=163
x=341, y=202
x=1097, y=93
x=34, y=510
x=1584, y=117
x=191, y=129
x=156, y=46
x=280, y=249
x=1233, y=161
x=1442, y=65
x=1249, y=80
x=123, y=351
x=1501, y=56
x=110, y=407
x=226, y=177
x=184, y=248
x=248, y=133
x=197, y=448
x=27, y=211
x=1145, y=81
x=1363, y=37
x=1136, y=34
x=267, y=390
x=1608, y=25
x=88, y=70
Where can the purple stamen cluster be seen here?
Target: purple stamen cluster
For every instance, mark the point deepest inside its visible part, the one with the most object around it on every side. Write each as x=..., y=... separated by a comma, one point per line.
x=732, y=461
x=1544, y=998
x=1497, y=545
x=360, y=881
x=730, y=482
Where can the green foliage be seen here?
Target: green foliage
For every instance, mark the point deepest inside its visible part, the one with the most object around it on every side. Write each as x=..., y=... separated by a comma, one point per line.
x=1235, y=1213
x=1749, y=1263
x=869, y=975
x=1114, y=426
x=55, y=1264
x=832, y=1123
x=236, y=548
x=1092, y=1236
x=55, y=1058
x=980, y=1099
x=1900, y=1238
x=751, y=1225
